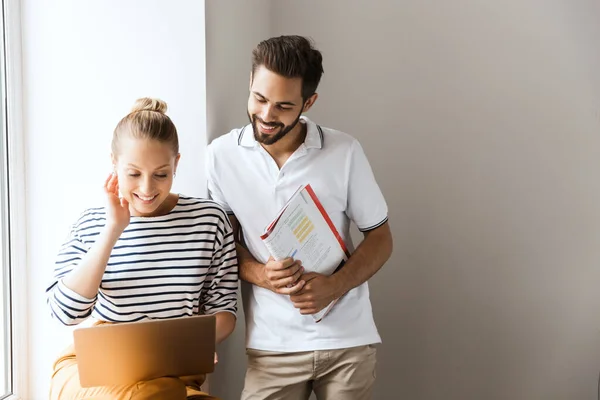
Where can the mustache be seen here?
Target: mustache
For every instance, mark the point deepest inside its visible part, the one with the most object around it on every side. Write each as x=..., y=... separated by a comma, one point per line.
x=269, y=124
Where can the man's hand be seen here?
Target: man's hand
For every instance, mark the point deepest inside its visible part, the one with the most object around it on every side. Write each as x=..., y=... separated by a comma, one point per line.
x=318, y=291
x=283, y=276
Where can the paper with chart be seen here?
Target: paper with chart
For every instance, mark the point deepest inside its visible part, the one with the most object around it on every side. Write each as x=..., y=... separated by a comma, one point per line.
x=304, y=231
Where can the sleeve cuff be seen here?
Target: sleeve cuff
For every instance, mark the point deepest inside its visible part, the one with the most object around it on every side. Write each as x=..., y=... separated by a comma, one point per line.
x=74, y=299
x=215, y=312
x=377, y=225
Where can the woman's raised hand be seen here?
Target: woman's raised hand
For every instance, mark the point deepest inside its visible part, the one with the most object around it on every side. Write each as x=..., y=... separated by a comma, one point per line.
x=117, y=208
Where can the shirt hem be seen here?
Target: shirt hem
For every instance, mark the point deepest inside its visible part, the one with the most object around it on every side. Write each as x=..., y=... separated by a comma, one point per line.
x=331, y=344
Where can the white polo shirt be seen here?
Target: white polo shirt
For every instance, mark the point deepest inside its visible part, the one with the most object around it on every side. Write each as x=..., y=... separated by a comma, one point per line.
x=245, y=180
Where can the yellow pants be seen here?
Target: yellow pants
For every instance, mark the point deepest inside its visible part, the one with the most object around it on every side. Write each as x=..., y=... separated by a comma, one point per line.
x=65, y=386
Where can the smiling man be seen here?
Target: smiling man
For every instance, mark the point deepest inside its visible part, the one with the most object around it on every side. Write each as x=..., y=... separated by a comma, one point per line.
x=252, y=172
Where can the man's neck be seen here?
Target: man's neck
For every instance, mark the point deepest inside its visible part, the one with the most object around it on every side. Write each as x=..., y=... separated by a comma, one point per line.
x=287, y=145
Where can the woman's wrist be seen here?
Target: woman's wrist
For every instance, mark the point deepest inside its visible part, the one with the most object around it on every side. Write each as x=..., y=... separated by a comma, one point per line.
x=112, y=232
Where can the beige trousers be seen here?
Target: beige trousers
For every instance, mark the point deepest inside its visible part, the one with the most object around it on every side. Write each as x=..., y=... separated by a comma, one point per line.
x=346, y=374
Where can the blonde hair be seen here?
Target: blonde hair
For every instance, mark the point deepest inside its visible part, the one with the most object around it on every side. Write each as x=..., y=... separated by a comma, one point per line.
x=147, y=120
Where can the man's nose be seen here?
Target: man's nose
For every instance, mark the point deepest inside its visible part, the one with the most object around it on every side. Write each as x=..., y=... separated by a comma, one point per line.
x=268, y=114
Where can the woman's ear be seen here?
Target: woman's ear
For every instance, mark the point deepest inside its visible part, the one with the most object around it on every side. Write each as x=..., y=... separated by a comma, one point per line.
x=177, y=157
x=113, y=161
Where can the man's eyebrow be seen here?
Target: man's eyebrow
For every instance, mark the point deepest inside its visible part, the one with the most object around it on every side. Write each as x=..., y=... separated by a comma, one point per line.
x=280, y=103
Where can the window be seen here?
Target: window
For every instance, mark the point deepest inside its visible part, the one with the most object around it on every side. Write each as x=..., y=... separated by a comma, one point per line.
x=13, y=339
x=5, y=291
x=6, y=363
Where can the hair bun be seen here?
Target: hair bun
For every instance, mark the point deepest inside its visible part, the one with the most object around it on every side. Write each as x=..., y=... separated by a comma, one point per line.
x=149, y=104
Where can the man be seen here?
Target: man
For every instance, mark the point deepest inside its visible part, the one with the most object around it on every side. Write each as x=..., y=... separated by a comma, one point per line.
x=252, y=172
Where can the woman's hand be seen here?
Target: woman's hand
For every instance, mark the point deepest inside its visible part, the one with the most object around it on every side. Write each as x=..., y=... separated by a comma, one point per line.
x=117, y=209
x=196, y=381
x=193, y=381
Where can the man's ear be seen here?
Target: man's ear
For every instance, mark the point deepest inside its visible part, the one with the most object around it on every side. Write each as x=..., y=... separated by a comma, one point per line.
x=309, y=102
x=250, y=83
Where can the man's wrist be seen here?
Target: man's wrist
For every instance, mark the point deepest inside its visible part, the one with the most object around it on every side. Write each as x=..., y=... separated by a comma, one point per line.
x=251, y=270
x=338, y=285
x=261, y=276
x=263, y=281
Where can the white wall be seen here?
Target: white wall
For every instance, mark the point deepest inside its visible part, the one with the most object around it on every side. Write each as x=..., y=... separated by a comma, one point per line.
x=232, y=30
x=482, y=123
x=84, y=65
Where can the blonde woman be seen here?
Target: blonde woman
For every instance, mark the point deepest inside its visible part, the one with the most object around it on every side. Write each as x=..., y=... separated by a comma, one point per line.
x=148, y=254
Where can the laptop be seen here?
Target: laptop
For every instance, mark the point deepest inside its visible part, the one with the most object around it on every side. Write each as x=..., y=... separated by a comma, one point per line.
x=126, y=353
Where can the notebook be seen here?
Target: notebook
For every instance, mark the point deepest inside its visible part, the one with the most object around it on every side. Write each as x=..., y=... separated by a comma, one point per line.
x=126, y=353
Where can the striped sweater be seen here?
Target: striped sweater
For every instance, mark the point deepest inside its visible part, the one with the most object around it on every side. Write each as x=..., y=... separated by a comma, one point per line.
x=178, y=264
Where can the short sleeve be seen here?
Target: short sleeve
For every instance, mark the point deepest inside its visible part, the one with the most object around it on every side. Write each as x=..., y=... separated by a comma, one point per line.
x=213, y=184
x=366, y=205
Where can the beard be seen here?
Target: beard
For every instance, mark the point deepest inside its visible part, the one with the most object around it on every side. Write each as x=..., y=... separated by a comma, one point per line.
x=272, y=138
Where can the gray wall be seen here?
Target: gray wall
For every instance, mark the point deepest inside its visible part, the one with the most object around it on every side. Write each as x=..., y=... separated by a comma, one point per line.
x=233, y=28
x=482, y=124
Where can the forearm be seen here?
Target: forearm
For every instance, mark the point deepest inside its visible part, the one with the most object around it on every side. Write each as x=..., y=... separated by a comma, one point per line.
x=368, y=258
x=225, y=325
x=86, y=277
x=250, y=270
x=278, y=276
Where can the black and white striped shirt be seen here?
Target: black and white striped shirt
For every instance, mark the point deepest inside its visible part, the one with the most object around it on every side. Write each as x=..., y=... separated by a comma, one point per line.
x=174, y=265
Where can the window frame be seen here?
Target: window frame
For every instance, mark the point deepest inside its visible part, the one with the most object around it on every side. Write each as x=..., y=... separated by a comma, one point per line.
x=17, y=243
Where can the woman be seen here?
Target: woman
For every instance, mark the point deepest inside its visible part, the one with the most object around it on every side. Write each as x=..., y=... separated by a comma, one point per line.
x=147, y=254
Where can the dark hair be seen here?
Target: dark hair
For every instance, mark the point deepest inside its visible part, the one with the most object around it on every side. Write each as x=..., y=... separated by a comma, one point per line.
x=147, y=120
x=293, y=57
